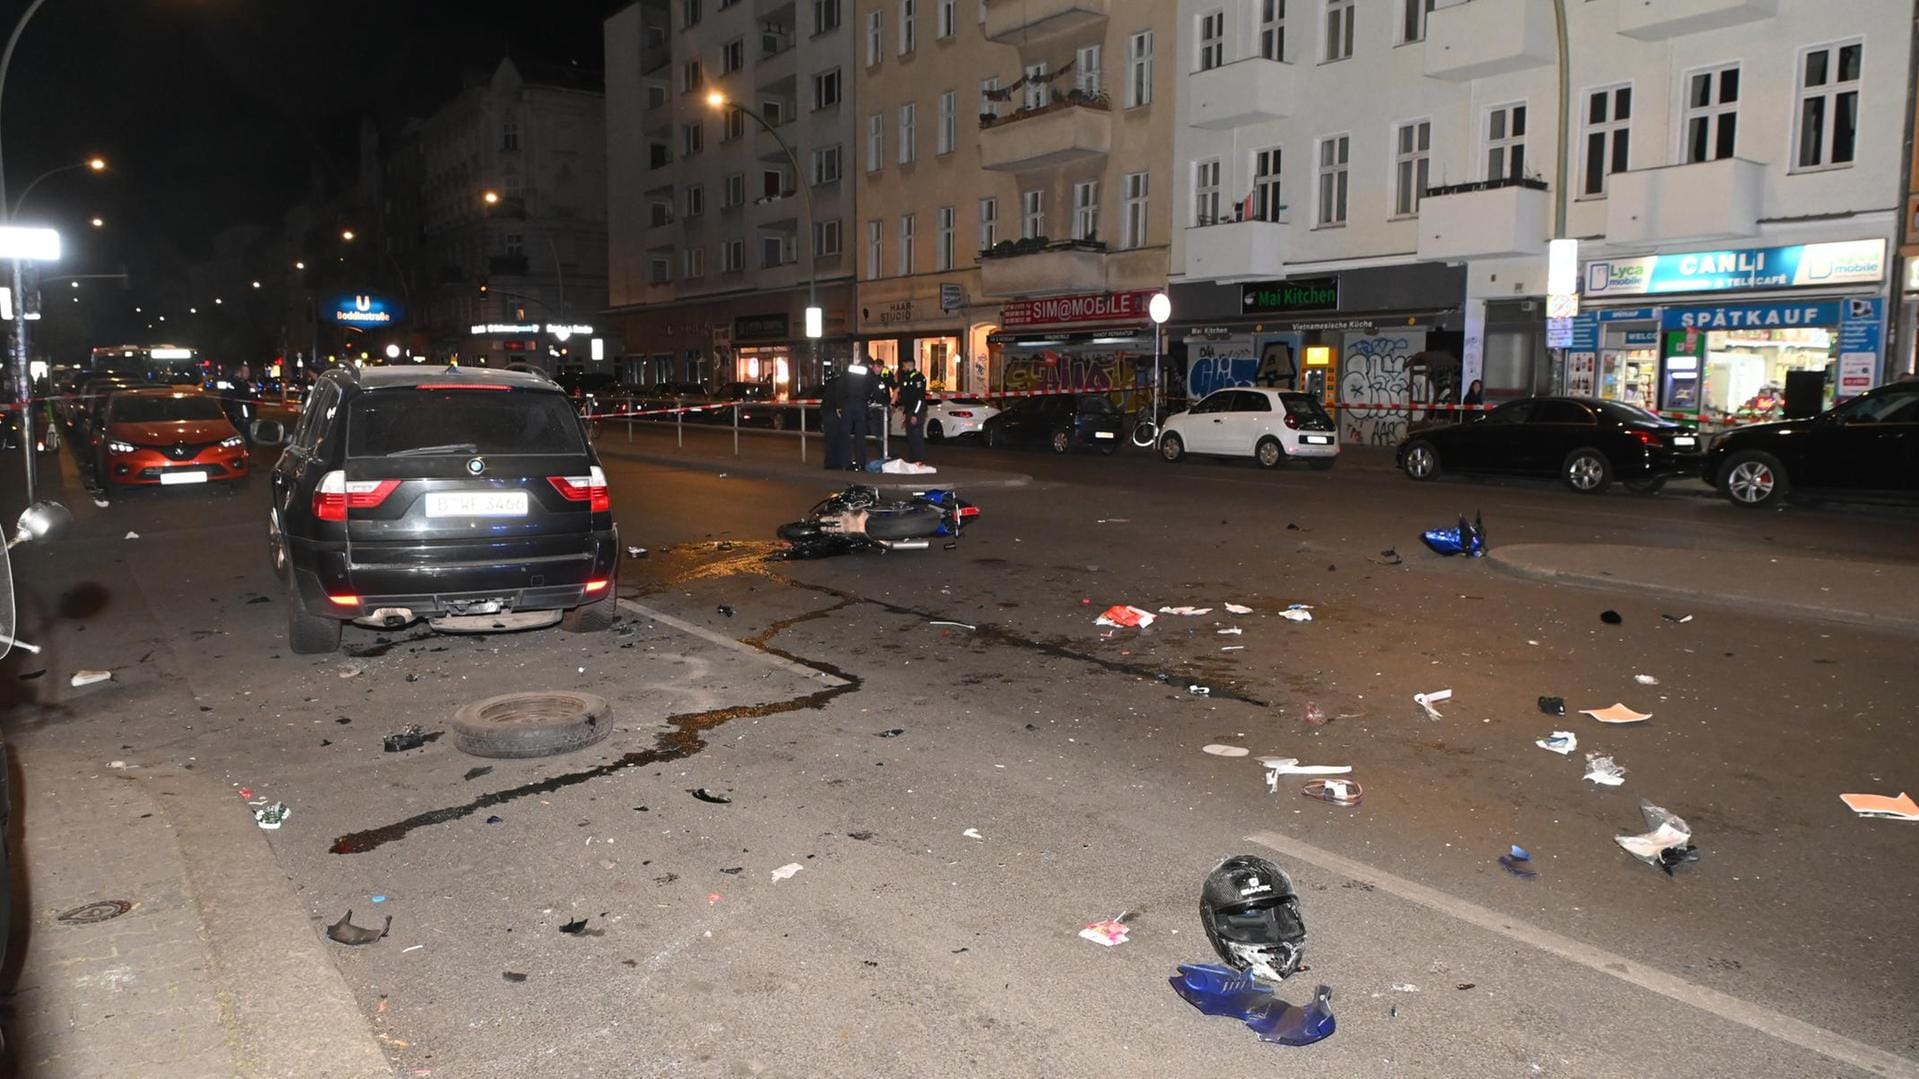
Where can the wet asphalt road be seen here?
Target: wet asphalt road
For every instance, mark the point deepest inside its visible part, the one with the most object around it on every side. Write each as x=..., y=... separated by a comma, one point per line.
x=906, y=947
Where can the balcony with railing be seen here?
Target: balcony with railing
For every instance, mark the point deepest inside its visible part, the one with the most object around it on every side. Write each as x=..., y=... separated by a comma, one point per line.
x=1490, y=219
x=1483, y=38
x=1706, y=200
x=1663, y=20
x=1038, y=266
x=1023, y=22
x=1070, y=128
x=1250, y=91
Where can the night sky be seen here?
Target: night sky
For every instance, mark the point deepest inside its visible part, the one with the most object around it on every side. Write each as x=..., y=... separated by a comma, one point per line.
x=214, y=112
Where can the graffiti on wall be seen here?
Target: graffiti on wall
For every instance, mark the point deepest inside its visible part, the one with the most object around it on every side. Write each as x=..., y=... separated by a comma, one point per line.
x=1373, y=376
x=1058, y=369
x=1239, y=361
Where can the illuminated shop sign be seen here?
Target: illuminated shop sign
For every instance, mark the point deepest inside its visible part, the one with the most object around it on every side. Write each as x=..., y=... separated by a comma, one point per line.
x=362, y=309
x=1852, y=262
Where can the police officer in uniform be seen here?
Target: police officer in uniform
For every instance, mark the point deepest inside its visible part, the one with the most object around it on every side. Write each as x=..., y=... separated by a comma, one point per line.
x=911, y=398
x=857, y=387
x=832, y=422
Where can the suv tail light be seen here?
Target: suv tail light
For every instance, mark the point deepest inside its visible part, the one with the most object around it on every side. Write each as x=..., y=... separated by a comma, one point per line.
x=335, y=496
x=590, y=489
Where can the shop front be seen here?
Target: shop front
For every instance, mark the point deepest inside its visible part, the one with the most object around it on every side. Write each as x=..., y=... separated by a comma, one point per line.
x=1377, y=345
x=1099, y=342
x=755, y=337
x=1736, y=336
x=933, y=325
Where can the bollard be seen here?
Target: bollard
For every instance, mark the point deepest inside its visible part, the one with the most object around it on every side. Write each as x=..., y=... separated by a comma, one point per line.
x=679, y=427
x=886, y=429
x=736, y=429
x=802, y=432
x=629, y=419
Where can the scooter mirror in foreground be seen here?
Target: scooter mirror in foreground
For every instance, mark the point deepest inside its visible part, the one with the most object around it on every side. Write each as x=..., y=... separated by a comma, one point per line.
x=269, y=432
x=41, y=521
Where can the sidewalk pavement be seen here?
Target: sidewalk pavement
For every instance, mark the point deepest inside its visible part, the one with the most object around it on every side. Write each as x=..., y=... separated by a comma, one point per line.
x=775, y=455
x=1873, y=594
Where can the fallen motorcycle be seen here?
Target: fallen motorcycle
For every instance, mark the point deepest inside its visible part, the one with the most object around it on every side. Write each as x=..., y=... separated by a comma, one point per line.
x=860, y=518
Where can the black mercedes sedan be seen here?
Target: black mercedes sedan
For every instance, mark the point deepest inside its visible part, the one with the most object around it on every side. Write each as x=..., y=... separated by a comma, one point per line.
x=1865, y=448
x=1584, y=441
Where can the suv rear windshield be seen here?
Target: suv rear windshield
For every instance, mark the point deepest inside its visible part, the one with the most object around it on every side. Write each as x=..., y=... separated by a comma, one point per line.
x=427, y=422
x=164, y=409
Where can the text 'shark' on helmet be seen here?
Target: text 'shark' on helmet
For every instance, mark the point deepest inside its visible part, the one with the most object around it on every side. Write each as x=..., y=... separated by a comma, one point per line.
x=1251, y=915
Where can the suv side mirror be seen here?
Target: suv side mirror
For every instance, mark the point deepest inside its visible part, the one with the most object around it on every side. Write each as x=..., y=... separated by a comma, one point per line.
x=269, y=432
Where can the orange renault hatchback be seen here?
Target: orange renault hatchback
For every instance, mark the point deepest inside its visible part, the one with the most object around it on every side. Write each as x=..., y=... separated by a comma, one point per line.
x=164, y=437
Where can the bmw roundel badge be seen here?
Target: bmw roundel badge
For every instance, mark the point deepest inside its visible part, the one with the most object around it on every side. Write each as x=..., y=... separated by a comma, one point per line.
x=475, y=466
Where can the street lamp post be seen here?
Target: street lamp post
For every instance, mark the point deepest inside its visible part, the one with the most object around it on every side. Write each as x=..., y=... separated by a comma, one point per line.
x=815, y=318
x=1160, y=308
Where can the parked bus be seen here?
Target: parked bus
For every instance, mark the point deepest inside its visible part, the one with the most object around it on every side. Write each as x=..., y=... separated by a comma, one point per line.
x=169, y=364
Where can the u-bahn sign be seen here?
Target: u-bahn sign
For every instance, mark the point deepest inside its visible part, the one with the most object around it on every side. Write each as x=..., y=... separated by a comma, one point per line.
x=361, y=309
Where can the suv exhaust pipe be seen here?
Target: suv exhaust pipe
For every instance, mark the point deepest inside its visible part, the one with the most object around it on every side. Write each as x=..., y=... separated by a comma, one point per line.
x=387, y=618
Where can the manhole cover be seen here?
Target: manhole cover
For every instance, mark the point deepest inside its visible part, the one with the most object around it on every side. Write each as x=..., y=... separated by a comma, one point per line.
x=532, y=724
x=104, y=911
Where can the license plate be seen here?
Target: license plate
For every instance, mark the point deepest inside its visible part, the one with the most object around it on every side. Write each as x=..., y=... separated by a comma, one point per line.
x=476, y=504
x=1103, y=434
x=1684, y=440
x=171, y=479
x=1317, y=440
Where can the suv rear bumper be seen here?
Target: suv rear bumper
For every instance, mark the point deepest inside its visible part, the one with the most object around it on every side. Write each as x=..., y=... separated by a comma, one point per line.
x=322, y=573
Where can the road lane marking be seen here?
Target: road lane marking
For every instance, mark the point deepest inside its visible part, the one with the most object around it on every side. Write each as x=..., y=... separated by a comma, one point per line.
x=723, y=641
x=1753, y=1016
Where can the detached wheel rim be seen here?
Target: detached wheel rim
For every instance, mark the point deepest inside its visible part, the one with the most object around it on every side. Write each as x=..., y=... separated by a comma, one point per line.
x=1586, y=471
x=1751, y=482
x=1419, y=462
x=1268, y=453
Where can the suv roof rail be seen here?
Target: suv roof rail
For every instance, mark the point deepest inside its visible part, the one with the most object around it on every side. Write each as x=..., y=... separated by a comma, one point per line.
x=526, y=368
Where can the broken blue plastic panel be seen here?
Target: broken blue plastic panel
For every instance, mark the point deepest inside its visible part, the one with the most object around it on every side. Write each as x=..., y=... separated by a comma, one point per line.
x=1518, y=862
x=1218, y=990
x=1467, y=538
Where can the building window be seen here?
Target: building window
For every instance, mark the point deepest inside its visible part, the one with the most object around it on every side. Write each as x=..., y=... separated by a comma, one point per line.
x=695, y=200
x=659, y=270
x=875, y=142
x=1212, y=40
x=692, y=77
x=906, y=245
x=1139, y=69
x=515, y=245
x=826, y=239
x=693, y=262
x=1333, y=153
x=909, y=26
x=1206, y=192
x=875, y=243
x=735, y=194
x=1134, y=207
x=1039, y=86
x=1032, y=215
x=1712, y=113
x=1412, y=165
x=732, y=56
x=732, y=256
x=988, y=223
x=510, y=133
x=909, y=133
x=948, y=18
x=692, y=139
x=1272, y=29
x=733, y=125
x=988, y=99
x=949, y=123
x=659, y=213
x=1826, y=127
x=775, y=250
x=1267, y=205
x=689, y=12
x=1412, y=21
x=826, y=165
x=1506, y=142
x=826, y=16
x=1607, y=144
x=773, y=182
x=1086, y=210
x=1339, y=30
x=943, y=238
x=826, y=89
x=1086, y=71
x=875, y=36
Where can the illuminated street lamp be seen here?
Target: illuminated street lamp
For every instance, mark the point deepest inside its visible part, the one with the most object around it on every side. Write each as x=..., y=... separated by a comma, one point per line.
x=299, y=265
x=491, y=198
x=98, y=222
x=815, y=318
x=256, y=284
x=347, y=235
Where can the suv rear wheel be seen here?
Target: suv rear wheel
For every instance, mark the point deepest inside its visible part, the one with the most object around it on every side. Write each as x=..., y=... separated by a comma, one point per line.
x=592, y=617
x=306, y=634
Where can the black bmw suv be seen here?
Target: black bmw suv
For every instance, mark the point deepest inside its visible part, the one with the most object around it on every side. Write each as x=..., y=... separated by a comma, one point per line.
x=466, y=497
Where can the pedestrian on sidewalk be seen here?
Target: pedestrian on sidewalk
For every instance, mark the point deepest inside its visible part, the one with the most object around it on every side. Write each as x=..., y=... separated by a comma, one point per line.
x=1475, y=395
x=911, y=399
x=832, y=423
x=857, y=388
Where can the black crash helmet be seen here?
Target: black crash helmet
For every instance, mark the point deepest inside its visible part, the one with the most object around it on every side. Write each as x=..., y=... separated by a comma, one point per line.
x=1252, y=917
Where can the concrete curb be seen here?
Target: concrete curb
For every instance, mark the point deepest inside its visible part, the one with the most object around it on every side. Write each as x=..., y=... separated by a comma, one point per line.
x=749, y=467
x=1514, y=561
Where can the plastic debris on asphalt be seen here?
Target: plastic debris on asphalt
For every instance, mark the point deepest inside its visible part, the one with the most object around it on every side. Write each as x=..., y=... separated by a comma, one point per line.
x=1645, y=679
x=787, y=870
x=972, y=833
x=133, y=535
x=1238, y=608
x=1191, y=612
x=1277, y=767
x=1427, y=700
x=1298, y=612
x=1198, y=690
x=1120, y=615
x=705, y=795
x=409, y=737
x=1226, y=751
x=87, y=678
x=351, y=670
x=1560, y=742
x=1603, y=771
x=1617, y=713
x=894, y=732
x=1389, y=557
x=1879, y=805
x=1467, y=538
x=1230, y=631
x=1315, y=716
x=1218, y=990
x=1677, y=617
x=1405, y=987
x=475, y=773
x=1665, y=844
x=1553, y=706
x=1518, y=862
x=1107, y=933
x=273, y=816
x=949, y=622
x=1339, y=792
x=345, y=932
x=636, y=552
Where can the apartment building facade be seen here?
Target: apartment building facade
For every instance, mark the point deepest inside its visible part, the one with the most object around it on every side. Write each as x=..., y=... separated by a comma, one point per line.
x=1014, y=187
x=723, y=230
x=1368, y=190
